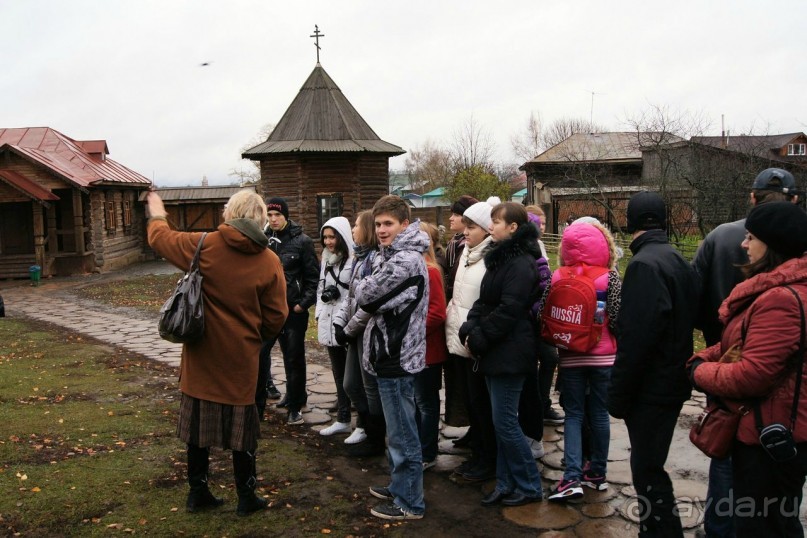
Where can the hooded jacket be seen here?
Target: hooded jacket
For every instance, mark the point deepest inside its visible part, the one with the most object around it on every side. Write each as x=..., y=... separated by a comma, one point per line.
x=349, y=316
x=396, y=296
x=300, y=265
x=767, y=368
x=590, y=244
x=334, y=271
x=470, y=270
x=500, y=330
x=243, y=290
x=654, y=330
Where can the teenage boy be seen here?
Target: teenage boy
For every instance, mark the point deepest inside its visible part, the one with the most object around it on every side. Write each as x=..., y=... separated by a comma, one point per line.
x=396, y=296
x=301, y=269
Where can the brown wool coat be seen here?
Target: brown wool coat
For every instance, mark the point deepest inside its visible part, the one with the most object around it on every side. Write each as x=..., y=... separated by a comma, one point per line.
x=245, y=302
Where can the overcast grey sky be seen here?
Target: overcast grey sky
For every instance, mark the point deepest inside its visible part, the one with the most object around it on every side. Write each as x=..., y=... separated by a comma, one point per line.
x=129, y=71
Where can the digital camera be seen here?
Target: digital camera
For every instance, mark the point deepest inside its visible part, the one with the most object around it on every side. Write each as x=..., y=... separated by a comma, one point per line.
x=329, y=294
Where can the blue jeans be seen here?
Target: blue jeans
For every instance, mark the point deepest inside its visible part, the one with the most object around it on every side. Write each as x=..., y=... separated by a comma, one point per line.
x=580, y=407
x=398, y=401
x=516, y=471
x=427, y=400
x=717, y=520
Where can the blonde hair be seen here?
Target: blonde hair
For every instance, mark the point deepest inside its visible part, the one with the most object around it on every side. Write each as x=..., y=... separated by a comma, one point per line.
x=536, y=210
x=246, y=204
x=429, y=256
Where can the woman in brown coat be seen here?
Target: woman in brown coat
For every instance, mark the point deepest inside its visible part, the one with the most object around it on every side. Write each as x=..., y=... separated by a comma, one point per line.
x=244, y=293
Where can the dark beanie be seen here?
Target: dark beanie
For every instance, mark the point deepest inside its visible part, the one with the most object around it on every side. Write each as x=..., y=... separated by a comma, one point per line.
x=462, y=204
x=646, y=211
x=782, y=226
x=278, y=204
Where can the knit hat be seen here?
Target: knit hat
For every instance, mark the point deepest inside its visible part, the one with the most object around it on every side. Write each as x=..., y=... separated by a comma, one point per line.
x=646, y=211
x=775, y=179
x=278, y=204
x=480, y=212
x=782, y=226
x=463, y=203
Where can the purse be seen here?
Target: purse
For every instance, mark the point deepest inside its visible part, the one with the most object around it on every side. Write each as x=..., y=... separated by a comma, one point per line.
x=182, y=317
x=716, y=429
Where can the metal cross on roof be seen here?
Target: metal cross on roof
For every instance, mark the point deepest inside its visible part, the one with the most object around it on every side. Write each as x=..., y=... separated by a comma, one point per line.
x=317, y=35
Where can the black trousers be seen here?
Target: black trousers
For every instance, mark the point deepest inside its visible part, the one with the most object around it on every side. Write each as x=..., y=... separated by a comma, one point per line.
x=767, y=495
x=292, y=345
x=650, y=428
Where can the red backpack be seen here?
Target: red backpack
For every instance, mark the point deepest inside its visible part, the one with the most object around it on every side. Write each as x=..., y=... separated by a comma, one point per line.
x=568, y=318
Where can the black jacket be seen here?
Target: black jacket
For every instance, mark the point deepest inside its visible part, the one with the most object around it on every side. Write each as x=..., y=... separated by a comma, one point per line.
x=500, y=331
x=654, y=330
x=300, y=265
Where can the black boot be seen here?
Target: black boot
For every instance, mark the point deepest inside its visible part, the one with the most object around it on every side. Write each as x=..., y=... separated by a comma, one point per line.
x=376, y=430
x=199, y=497
x=245, y=482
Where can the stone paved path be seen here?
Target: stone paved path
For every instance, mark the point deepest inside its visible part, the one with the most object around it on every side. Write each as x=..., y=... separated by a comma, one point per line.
x=601, y=514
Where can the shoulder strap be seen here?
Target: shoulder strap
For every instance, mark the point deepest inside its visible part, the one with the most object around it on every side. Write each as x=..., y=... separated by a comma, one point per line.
x=195, y=260
x=797, y=392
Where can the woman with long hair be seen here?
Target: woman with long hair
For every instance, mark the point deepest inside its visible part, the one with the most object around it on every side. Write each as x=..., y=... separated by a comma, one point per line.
x=500, y=334
x=758, y=365
x=334, y=281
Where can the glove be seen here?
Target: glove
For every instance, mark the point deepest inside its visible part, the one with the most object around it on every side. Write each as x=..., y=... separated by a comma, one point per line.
x=339, y=335
x=691, y=371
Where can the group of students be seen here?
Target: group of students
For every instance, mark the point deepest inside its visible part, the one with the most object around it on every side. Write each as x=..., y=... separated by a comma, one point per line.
x=395, y=314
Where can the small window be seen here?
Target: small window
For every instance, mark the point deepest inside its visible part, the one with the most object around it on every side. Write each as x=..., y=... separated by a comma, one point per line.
x=797, y=149
x=328, y=206
x=109, y=214
x=126, y=211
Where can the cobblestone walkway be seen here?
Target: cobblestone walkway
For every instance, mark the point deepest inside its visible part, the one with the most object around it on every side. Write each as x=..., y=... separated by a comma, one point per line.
x=601, y=514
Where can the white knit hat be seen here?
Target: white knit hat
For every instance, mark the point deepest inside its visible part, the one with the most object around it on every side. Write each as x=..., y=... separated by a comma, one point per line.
x=480, y=212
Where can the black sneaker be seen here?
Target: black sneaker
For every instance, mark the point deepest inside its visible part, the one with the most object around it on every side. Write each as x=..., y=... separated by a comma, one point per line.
x=381, y=492
x=479, y=473
x=566, y=490
x=282, y=404
x=552, y=417
x=295, y=418
x=390, y=510
x=272, y=393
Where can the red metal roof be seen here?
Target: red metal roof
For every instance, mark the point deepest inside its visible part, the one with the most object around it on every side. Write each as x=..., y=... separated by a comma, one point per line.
x=26, y=186
x=69, y=158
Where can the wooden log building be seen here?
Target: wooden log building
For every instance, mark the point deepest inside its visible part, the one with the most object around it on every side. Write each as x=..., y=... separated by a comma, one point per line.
x=322, y=157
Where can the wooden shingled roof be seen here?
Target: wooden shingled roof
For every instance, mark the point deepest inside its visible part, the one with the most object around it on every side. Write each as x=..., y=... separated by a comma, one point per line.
x=321, y=119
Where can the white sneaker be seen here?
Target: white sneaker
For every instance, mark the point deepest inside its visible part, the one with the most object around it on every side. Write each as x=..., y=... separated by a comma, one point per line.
x=336, y=427
x=537, y=448
x=357, y=436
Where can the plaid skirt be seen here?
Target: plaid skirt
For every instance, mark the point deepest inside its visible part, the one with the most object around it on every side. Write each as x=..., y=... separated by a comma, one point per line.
x=206, y=424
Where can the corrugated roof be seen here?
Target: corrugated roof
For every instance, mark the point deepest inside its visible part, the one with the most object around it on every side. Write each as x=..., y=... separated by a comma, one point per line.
x=601, y=147
x=68, y=158
x=321, y=119
x=27, y=187
x=199, y=194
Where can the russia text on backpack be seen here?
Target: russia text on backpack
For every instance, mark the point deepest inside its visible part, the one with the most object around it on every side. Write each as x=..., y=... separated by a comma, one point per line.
x=568, y=318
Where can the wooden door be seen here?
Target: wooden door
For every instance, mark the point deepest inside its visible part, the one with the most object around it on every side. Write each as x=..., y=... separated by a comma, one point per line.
x=16, y=228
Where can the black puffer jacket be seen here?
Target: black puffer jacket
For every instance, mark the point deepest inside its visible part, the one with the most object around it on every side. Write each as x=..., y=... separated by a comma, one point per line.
x=654, y=330
x=500, y=332
x=300, y=265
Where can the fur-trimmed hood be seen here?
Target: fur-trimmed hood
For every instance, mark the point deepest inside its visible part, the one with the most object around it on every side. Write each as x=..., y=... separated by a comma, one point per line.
x=523, y=241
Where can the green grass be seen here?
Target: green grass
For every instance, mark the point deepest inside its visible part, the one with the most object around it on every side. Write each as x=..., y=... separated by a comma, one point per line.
x=87, y=448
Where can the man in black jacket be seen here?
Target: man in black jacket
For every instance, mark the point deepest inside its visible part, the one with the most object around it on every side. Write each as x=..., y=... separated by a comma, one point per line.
x=301, y=268
x=649, y=382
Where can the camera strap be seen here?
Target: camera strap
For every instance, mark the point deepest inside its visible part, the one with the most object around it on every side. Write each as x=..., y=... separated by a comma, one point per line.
x=335, y=275
x=797, y=392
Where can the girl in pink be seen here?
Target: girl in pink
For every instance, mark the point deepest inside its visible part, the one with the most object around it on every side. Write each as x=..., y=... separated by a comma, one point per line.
x=586, y=375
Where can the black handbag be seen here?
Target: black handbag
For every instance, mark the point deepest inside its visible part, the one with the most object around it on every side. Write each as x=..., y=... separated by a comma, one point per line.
x=182, y=317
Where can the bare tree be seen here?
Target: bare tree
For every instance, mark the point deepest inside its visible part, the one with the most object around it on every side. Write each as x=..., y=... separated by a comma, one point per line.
x=471, y=146
x=530, y=142
x=252, y=174
x=428, y=166
x=561, y=129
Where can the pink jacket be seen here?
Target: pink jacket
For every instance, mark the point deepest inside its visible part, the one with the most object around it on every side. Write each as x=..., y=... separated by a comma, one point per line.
x=592, y=245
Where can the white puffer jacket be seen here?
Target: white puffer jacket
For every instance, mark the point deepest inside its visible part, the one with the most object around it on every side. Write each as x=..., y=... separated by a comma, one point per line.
x=333, y=267
x=470, y=270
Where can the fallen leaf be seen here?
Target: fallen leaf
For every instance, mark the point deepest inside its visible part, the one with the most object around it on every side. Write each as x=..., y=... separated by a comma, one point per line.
x=35, y=488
